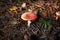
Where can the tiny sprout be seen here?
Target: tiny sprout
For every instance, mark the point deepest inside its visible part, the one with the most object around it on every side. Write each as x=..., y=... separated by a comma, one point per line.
x=28, y=16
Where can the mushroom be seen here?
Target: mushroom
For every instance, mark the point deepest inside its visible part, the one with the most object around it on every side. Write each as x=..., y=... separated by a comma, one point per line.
x=28, y=16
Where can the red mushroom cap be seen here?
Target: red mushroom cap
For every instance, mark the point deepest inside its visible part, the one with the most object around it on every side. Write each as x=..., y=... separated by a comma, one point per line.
x=29, y=16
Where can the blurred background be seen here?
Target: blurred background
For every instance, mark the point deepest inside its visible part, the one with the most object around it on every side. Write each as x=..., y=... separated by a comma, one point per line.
x=45, y=27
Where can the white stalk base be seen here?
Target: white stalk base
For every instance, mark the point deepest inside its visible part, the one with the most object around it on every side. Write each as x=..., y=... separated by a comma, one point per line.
x=29, y=22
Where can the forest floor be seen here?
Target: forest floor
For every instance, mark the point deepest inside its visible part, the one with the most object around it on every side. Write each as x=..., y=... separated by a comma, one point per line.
x=45, y=27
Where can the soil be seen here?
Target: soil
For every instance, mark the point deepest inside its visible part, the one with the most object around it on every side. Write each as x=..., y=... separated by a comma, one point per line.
x=12, y=27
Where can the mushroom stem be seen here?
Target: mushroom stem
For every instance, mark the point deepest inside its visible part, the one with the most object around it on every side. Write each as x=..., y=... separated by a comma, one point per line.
x=29, y=22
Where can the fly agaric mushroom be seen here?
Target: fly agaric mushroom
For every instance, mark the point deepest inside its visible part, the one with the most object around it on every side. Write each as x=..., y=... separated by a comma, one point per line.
x=57, y=15
x=28, y=16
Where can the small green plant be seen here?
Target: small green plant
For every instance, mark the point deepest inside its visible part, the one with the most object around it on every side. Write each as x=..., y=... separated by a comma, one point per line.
x=45, y=23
